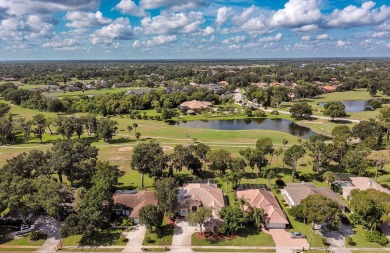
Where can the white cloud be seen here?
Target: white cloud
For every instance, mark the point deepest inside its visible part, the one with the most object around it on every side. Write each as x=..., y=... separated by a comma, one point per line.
x=244, y=16
x=340, y=43
x=161, y=40
x=306, y=37
x=236, y=39
x=119, y=29
x=275, y=38
x=175, y=5
x=234, y=47
x=381, y=34
x=136, y=43
x=324, y=36
x=256, y=25
x=208, y=31
x=306, y=28
x=352, y=16
x=222, y=15
x=81, y=19
x=172, y=23
x=297, y=13
x=129, y=7
x=65, y=43
x=24, y=7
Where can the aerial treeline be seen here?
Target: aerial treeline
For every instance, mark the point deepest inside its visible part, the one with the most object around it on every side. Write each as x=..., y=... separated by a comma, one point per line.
x=352, y=73
x=107, y=104
x=21, y=130
x=35, y=181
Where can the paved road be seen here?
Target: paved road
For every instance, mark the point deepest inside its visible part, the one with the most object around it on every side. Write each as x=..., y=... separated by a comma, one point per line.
x=51, y=227
x=135, y=237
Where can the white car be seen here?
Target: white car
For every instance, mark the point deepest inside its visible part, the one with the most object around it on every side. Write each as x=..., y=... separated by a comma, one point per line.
x=25, y=229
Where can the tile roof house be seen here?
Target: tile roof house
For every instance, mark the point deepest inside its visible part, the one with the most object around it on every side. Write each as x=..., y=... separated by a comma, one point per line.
x=129, y=204
x=294, y=193
x=194, y=195
x=266, y=200
x=362, y=183
x=195, y=105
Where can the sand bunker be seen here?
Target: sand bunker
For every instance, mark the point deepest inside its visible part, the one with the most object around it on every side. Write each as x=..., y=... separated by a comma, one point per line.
x=124, y=149
x=167, y=148
x=116, y=158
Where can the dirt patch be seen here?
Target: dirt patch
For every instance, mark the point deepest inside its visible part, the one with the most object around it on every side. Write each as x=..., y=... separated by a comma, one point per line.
x=124, y=149
x=167, y=148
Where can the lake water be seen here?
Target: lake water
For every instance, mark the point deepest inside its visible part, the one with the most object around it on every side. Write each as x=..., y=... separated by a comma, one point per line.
x=354, y=105
x=282, y=125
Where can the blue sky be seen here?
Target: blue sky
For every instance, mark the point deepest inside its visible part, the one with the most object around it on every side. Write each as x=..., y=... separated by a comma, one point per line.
x=193, y=29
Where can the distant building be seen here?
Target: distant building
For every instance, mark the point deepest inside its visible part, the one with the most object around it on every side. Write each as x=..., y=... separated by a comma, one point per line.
x=195, y=105
x=328, y=88
x=266, y=200
x=138, y=92
x=130, y=203
x=294, y=193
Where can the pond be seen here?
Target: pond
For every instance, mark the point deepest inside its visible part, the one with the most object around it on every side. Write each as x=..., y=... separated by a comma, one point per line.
x=356, y=105
x=282, y=125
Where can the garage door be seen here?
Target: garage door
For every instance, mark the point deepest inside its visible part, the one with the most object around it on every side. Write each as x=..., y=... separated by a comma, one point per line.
x=274, y=225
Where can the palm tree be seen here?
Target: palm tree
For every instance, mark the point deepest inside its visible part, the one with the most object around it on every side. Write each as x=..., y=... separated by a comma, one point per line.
x=284, y=141
x=277, y=153
x=226, y=178
x=129, y=128
x=243, y=202
x=258, y=215
x=328, y=176
x=135, y=125
x=235, y=177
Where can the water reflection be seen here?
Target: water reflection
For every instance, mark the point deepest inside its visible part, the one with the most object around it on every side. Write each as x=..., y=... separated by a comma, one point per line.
x=282, y=125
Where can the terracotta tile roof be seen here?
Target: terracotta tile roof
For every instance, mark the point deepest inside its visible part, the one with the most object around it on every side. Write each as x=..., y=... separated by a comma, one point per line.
x=135, y=201
x=266, y=200
x=208, y=195
x=194, y=104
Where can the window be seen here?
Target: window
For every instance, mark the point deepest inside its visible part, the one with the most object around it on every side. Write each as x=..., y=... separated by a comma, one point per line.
x=194, y=208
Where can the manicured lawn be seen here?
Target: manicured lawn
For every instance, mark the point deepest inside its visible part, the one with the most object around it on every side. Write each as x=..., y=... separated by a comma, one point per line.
x=360, y=239
x=162, y=237
x=247, y=237
x=232, y=250
x=20, y=241
x=145, y=249
x=102, y=238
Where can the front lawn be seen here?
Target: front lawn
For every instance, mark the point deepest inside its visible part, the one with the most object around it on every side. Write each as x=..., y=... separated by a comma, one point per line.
x=360, y=240
x=100, y=238
x=17, y=249
x=247, y=237
x=233, y=250
x=162, y=237
x=20, y=241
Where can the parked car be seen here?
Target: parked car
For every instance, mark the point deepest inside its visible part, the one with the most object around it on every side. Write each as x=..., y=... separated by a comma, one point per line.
x=297, y=235
x=25, y=229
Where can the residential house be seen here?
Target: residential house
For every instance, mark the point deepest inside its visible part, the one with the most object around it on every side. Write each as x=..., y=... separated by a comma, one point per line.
x=294, y=193
x=138, y=92
x=194, y=195
x=195, y=105
x=328, y=88
x=362, y=183
x=266, y=200
x=129, y=203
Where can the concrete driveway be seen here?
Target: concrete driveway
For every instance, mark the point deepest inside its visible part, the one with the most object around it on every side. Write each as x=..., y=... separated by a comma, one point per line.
x=51, y=227
x=135, y=237
x=336, y=239
x=283, y=239
x=182, y=233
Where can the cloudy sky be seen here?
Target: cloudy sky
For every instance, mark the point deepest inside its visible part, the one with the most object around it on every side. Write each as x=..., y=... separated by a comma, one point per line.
x=193, y=29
